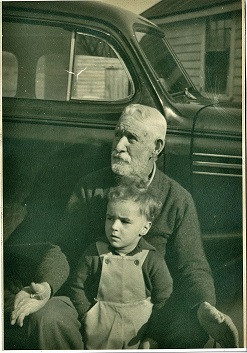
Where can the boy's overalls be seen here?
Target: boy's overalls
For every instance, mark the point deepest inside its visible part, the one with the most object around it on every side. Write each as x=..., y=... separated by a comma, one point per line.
x=117, y=320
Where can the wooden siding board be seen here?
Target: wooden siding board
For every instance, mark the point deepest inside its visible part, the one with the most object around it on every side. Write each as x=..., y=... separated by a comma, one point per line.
x=186, y=39
x=238, y=54
x=237, y=82
x=189, y=56
x=238, y=72
x=193, y=48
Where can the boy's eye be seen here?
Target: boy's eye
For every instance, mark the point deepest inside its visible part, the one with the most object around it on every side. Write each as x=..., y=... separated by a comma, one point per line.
x=109, y=218
x=126, y=221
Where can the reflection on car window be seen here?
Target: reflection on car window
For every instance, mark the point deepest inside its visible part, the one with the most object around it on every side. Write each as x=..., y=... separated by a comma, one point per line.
x=41, y=51
x=51, y=63
x=98, y=73
x=162, y=61
x=52, y=77
x=9, y=74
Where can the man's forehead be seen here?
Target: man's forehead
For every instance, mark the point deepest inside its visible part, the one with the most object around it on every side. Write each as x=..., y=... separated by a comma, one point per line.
x=132, y=124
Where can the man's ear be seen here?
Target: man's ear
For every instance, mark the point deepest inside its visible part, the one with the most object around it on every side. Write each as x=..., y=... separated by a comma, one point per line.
x=145, y=228
x=159, y=145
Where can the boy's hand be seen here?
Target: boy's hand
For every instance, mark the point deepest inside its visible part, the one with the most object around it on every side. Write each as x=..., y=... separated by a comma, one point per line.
x=218, y=325
x=29, y=300
x=148, y=343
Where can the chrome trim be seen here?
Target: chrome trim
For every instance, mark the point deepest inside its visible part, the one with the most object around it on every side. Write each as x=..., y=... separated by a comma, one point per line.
x=212, y=236
x=217, y=165
x=218, y=174
x=215, y=155
x=71, y=57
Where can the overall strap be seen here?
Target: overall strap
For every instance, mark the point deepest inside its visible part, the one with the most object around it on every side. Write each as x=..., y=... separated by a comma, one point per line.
x=141, y=256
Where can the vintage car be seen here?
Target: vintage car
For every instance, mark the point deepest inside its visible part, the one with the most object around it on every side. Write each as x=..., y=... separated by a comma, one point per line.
x=69, y=69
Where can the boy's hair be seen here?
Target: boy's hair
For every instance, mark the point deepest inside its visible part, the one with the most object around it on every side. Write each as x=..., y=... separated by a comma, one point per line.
x=148, y=205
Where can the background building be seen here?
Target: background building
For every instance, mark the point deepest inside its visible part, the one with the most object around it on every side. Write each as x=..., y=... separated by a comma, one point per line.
x=207, y=37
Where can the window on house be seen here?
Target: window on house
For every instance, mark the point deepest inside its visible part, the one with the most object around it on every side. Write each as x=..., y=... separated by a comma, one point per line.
x=217, y=54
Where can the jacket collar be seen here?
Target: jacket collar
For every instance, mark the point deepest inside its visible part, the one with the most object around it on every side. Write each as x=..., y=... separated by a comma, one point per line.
x=142, y=245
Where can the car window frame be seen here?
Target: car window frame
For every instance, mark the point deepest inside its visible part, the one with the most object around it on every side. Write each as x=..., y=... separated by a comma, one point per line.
x=89, y=28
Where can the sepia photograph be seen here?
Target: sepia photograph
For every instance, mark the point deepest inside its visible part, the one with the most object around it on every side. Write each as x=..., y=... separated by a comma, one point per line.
x=123, y=175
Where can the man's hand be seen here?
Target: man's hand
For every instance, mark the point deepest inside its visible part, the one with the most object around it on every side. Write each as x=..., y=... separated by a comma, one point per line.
x=29, y=300
x=148, y=343
x=218, y=325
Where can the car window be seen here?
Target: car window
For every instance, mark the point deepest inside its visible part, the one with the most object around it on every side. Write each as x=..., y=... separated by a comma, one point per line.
x=9, y=74
x=98, y=72
x=52, y=63
x=170, y=74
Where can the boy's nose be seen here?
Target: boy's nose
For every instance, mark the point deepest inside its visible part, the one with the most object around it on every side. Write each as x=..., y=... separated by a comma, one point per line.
x=115, y=225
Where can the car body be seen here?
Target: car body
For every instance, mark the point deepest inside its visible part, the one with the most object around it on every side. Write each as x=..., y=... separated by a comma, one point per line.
x=69, y=69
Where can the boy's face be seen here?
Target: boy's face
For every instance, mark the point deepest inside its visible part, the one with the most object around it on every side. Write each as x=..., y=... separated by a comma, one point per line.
x=125, y=225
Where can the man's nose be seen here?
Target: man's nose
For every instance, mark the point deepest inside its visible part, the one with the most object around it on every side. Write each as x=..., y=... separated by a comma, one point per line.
x=121, y=144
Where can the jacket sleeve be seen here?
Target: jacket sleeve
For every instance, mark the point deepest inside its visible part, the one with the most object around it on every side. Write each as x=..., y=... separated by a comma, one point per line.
x=74, y=227
x=161, y=281
x=161, y=288
x=58, y=260
x=192, y=277
x=81, y=284
x=40, y=262
x=53, y=269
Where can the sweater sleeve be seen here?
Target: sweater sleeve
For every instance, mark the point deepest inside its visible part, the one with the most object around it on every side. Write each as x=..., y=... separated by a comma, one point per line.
x=190, y=270
x=53, y=269
x=73, y=229
x=40, y=262
x=161, y=286
x=59, y=260
x=161, y=281
x=81, y=283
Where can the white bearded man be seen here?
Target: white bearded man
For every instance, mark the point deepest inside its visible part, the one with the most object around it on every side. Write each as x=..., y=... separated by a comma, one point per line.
x=189, y=316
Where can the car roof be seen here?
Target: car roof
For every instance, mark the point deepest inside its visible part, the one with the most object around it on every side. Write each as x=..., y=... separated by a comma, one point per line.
x=96, y=10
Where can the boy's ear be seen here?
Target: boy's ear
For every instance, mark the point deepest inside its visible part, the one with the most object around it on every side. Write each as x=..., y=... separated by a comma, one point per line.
x=145, y=228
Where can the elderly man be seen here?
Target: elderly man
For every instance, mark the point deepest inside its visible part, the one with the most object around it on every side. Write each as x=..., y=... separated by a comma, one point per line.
x=189, y=316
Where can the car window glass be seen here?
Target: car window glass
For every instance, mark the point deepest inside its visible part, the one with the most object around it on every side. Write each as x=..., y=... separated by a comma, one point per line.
x=52, y=63
x=51, y=79
x=169, y=73
x=98, y=72
x=9, y=74
x=34, y=46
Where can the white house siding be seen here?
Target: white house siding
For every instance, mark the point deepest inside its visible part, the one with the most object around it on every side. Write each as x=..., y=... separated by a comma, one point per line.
x=186, y=38
x=100, y=78
x=237, y=62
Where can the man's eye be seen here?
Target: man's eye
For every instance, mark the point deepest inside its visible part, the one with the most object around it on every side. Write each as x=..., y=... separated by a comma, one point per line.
x=132, y=138
x=109, y=218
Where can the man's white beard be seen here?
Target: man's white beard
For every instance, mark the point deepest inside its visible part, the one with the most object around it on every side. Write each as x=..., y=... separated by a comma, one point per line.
x=138, y=171
x=121, y=168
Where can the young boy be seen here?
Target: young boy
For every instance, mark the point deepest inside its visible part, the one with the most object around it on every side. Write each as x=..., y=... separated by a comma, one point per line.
x=121, y=279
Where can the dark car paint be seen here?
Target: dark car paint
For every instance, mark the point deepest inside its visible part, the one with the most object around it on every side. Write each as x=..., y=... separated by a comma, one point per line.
x=48, y=145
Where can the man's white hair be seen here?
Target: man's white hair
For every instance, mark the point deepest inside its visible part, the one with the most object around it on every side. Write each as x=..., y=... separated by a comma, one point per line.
x=149, y=116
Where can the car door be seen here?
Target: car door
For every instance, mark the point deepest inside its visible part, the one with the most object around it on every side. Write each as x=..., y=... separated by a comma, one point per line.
x=64, y=88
